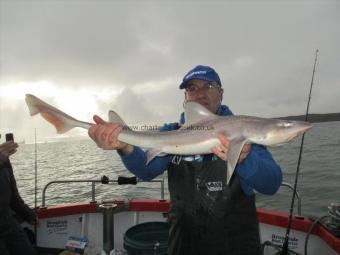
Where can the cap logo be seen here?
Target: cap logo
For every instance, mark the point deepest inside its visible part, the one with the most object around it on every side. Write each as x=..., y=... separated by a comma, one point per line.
x=193, y=73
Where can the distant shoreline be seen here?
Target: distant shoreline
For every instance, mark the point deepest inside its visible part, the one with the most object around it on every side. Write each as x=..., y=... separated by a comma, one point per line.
x=315, y=117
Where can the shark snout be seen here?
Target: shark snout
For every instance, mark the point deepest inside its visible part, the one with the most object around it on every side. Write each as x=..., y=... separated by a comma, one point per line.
x=303, y=127
x=299, y=128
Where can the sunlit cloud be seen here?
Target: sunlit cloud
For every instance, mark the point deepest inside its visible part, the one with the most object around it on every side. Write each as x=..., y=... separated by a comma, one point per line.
x=154, y=86
x=17, y=90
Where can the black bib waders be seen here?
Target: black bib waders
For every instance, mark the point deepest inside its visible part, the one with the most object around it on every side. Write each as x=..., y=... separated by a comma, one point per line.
x=207, y=216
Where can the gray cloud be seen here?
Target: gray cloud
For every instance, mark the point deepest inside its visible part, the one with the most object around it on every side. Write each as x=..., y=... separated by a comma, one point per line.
x=263, y=51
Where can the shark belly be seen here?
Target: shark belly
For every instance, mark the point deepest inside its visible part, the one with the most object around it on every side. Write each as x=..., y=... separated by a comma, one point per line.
x=193, y=148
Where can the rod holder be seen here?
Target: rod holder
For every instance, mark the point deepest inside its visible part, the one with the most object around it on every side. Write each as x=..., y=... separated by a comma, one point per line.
x=107, y=209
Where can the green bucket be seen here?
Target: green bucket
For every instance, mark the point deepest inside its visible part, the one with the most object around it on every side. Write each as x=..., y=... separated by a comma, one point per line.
x=150, y=238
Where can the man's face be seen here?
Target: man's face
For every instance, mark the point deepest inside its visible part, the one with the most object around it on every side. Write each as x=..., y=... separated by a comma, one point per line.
x=207, y=93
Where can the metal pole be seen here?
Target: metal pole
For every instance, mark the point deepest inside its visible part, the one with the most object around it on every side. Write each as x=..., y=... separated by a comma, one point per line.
x=162, y=188
x=93, y=192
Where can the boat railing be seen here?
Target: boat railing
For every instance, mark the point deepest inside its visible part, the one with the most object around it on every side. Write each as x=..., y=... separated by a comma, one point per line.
x=103, y=180
x=134, y=180
x=299, y=202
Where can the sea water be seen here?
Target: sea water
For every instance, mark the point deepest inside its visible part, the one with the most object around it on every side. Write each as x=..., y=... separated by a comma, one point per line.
x=318, y=182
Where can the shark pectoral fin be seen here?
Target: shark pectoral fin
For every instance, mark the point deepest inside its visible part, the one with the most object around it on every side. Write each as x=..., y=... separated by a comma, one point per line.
x=152, y=153
x=233, y=156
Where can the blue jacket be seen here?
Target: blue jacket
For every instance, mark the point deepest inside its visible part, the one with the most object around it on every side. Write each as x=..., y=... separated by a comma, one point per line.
x=257, y=172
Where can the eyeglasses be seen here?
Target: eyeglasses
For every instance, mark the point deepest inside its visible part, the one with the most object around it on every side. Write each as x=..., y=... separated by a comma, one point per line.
x=209, y=86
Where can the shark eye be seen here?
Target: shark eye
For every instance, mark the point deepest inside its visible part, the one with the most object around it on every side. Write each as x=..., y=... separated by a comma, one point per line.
x=285, y=124
x=289, y=124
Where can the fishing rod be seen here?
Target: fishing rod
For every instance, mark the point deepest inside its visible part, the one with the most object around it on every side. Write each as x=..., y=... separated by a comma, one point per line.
x=285, y=249
x=35, y=182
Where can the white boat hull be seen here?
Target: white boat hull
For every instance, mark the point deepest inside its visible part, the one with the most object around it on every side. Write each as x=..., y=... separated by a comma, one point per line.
x=58, y=223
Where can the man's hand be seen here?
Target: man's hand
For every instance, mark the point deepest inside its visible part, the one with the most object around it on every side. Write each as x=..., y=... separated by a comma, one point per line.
x=7, y=149
x=105, y=135
x=244, y=152
x=222, y=151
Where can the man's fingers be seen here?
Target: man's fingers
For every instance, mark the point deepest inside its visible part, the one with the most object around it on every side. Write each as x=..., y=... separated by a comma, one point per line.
x=105, y=135
x=98, y=120
x=219, y=153
x=8, y=148
x=114, y=135
x=11, y=152
x=222, y=150
x=224, y=140
x=247, y=148
x=91, y=132
x=245, y=151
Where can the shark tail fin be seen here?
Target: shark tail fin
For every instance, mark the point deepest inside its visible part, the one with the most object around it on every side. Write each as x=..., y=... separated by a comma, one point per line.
x=61, y=124
x=60, y=120
x=33, y=104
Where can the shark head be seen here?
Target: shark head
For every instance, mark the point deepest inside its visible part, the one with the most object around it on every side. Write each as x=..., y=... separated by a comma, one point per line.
x=283, y=131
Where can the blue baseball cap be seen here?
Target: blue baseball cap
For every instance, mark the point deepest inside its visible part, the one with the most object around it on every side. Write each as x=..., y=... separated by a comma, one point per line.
x=201, y=72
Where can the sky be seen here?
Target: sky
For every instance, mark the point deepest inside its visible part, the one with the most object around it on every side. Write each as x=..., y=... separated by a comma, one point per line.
x=87, y=57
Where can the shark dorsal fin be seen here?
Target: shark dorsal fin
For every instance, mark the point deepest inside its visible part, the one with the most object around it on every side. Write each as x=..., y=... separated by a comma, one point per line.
x=115, y=118
x=195, y=112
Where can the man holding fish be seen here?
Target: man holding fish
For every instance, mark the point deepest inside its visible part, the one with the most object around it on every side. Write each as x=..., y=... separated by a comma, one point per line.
x=212, y=210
